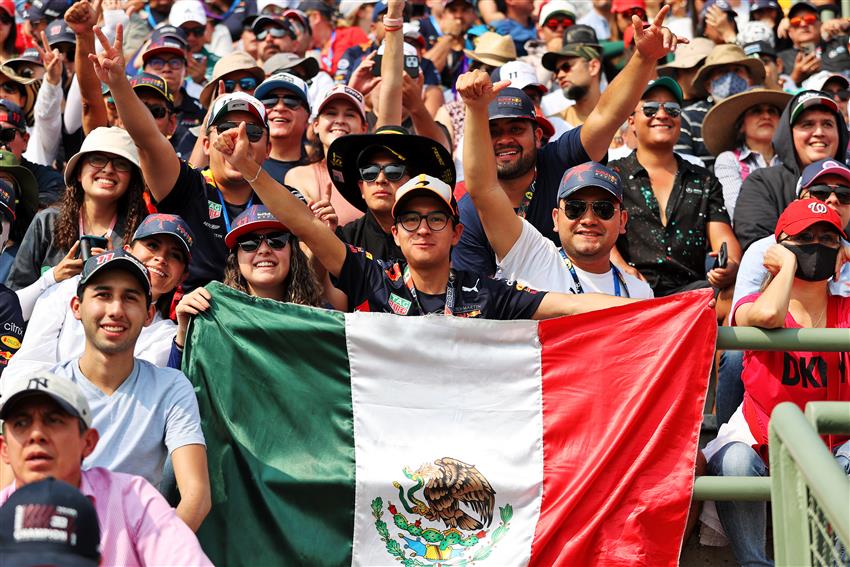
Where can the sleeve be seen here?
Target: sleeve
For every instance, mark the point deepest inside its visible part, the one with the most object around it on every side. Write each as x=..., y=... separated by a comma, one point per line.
x=756, y=210
x=729, y=174
x=513, y=301
x=13, y=327
x=716, y=208
x=183, y=422
x=73, y=116
x=751, y=272
x=175, y=357
x=184, y=188
x=359, y=277
x=531, y=259
x=29, y=295
x=566, y=152
x=31, y=253
x=161, y=537
x=40, y=347
x=743, y=301
x=473, y=252
x=46, y=132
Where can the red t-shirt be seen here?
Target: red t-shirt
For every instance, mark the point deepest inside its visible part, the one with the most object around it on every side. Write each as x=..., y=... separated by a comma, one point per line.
x=772, y=377
x=342, y=39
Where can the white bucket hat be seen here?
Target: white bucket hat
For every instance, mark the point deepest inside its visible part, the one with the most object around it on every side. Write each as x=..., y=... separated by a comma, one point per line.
x=107, y=140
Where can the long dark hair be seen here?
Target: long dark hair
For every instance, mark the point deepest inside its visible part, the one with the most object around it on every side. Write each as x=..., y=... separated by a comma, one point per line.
x=9, y=47
x=130, y=205
x=301, y=285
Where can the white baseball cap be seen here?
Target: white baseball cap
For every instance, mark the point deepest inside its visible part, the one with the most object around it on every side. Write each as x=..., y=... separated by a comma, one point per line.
x=63, y=391
x=183, y=11
x=520, y=74
x=553, y=7
x=424, y=184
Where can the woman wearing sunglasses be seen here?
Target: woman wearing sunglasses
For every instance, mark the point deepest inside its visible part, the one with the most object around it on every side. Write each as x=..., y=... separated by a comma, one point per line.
x=103, y=198
x=739, y=131
x=265, y=261
x=796, y=295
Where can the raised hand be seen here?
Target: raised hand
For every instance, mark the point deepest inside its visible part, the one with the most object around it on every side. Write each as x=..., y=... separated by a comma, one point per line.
x=324, y=211
x=362, y=79
x=109, y=64
x=82, y=16
x=52, y=59
x=477, y=90
x=655, y=41
x=236, y=149
x=69, y=266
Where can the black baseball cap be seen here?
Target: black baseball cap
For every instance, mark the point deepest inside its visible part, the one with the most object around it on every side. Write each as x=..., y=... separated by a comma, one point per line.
x=511, y=103
x=172, y=225
x=49, y=522
x=60, y=32
x=115, y=259
x=590, y=174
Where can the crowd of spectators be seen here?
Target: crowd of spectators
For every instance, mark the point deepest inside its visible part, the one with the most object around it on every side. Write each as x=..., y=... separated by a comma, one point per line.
x=507, y=159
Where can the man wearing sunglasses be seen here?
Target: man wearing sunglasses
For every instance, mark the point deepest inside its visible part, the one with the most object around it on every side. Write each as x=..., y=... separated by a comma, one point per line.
x=153, y=91
x=287, y=105
x=577, y=67
x=190, y=17
x=804, y=57
x=275, y=35
x=676, y=208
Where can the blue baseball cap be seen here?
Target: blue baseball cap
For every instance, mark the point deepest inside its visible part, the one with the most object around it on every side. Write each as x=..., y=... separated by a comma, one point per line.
x=819, y=169
x=287, y=81
x=379, y=10
x=115, y=259
x=254, y=218
x=173, y=225
x=511, y=103
x=590, y=174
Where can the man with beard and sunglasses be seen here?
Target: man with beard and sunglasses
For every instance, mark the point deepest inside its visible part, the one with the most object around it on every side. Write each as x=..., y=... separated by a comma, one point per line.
x=588, y=218
x=530, y=172
x=676, y=208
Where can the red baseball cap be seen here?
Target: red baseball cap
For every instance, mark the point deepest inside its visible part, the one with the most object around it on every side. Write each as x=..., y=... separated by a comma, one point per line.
x=803, y=213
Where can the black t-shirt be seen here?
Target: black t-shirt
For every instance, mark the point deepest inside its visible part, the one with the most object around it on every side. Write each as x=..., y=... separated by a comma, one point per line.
x=278, y=169
x=378, y=285
x=12, y=323
x=190, y=112
x=367, y=234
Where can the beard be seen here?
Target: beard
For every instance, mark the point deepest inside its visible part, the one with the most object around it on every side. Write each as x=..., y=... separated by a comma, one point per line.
x=575, y=92
x=517, y=168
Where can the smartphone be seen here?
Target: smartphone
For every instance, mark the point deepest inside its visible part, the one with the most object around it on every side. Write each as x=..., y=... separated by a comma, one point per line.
x=722, y=257
x=807, y=48
x=89, y=241
x=411, y=66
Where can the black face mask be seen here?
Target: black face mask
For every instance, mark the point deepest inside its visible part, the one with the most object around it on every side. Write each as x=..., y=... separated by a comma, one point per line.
x=815, y=262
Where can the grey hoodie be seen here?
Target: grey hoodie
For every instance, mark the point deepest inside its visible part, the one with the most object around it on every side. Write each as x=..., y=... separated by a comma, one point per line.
x=767, y=191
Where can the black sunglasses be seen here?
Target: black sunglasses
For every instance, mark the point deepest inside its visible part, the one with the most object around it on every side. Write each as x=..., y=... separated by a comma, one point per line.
x=651, y=108
x=275, y=240
x=6, y=19
x=197, y=31
x=392, y=171
x=602, y=209
x=290, y=102
x=255, y=133
x=158, y=111
x=245, y=83
x=565, y=66
x=8, y=134
x=822, y=193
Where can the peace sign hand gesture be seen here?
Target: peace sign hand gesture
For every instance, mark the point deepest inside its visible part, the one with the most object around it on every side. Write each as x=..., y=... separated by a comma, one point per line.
x=654, y=41
x=109, y=64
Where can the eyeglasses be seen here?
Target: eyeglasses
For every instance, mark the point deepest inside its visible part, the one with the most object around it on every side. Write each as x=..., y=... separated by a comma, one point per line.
x=10, y=87
x=804, y=20
x=6, y=19
x=822, y=193
x=99, y=161
x=8, y=134
x=602, y=209
x=566, y=66
x=392, y=171
x=255, y=132
x=197, y=31
x=411, y=221
x=245, y=84
x=651, y=108
x=274, y=32
x=290, y=102
x=275, y=240
x=158, y=111
x=158, y=63
x=556, y=23
x=826, y=238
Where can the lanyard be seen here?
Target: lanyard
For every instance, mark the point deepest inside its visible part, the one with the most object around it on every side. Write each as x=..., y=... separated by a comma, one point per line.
x=526, y=199
x=615, y=274
x=108, y=232
x=450, y=292
x=208, y=176
x=151, y=21
x=436, y=26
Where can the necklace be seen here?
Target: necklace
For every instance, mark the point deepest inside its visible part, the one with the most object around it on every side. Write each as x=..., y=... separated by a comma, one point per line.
x=820, y=319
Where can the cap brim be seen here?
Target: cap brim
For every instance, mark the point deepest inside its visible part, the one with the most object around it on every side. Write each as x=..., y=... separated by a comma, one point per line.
x=421, y=155
x=182, y=242
x=719, y=133
x=27, y=185
x=248, y=228
x=164, y=49
x=120, y=263
x=587, y=186
x=799, y=226
x=10, y=402
x=422, y=192
x=30, y=558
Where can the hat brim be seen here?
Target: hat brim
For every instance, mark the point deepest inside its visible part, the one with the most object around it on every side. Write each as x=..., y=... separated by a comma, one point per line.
x=423, y=192
x=15, y=398
x=421, y=155
x=183, y=244
x=119, y=263
x=492, y=59
x=340, y=95
x=268, y=86
x=70, y=167
x=550, y=58
x=755, y=66
x=163, y=49
x=206, y=96
x=798, y=226
x=249, y=227
x=718, y=128
x=27, y=186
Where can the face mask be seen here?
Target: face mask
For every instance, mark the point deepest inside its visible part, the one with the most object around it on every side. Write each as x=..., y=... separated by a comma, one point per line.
x=815, y=262
x=727, y=85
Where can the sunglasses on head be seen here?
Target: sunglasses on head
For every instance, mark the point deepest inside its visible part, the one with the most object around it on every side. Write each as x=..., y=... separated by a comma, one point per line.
x=255, y=132
x=158, y=111
x=651, y=108
x=290, y=102
x=274, y=32
x=602, y=209
x=245, y=83
x=557, y=23
x=197, y=31
x=158, y=63
x=8, y=134
x=822, y=193
x=804, y=20
x=275, y=240
x=392, y=171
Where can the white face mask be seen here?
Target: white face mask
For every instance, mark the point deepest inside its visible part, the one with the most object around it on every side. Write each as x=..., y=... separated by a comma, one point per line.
x=4, y=235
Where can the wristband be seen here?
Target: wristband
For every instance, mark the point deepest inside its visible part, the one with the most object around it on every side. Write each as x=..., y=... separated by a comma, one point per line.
x=253, y=179
x=386, y=29
x=392, y=22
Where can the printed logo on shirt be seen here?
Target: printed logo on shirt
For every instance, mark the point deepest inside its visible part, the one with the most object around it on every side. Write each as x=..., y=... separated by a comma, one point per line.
x=10, y=341
x=215, y=209
x=399, y=305
x=4, y=357
x=212, y=226
x=393, y=273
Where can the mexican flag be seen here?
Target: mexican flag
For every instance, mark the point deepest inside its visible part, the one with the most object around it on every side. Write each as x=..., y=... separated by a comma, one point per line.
x=375, y=439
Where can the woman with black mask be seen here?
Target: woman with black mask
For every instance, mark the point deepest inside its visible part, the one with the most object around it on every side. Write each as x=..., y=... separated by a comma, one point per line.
x=808, y=253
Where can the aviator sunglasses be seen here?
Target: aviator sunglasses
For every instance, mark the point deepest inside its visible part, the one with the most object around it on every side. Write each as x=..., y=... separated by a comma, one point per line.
x=651, y=108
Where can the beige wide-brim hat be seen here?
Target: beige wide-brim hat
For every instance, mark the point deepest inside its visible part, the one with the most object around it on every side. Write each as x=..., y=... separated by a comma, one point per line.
x=493, y=49
x=718, y=128
x=107, y=140
x=687, y=56
x=31, y=87
x=236, y=61
x=727, y=54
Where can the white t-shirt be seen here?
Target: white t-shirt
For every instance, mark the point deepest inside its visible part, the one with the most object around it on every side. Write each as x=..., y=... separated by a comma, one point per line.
x=535, y=261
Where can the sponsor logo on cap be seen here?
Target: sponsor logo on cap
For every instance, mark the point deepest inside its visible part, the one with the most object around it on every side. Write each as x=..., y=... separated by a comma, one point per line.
x=514, y=101
x=818, y=208
x=602, y=174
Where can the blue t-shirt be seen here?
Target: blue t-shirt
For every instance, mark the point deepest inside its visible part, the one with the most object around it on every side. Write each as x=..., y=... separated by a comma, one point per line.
x=518, y=32
x=151, y=414
x=473, y=253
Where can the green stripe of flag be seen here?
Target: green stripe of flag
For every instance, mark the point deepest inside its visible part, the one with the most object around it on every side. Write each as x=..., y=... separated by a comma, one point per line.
x=280, y=448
